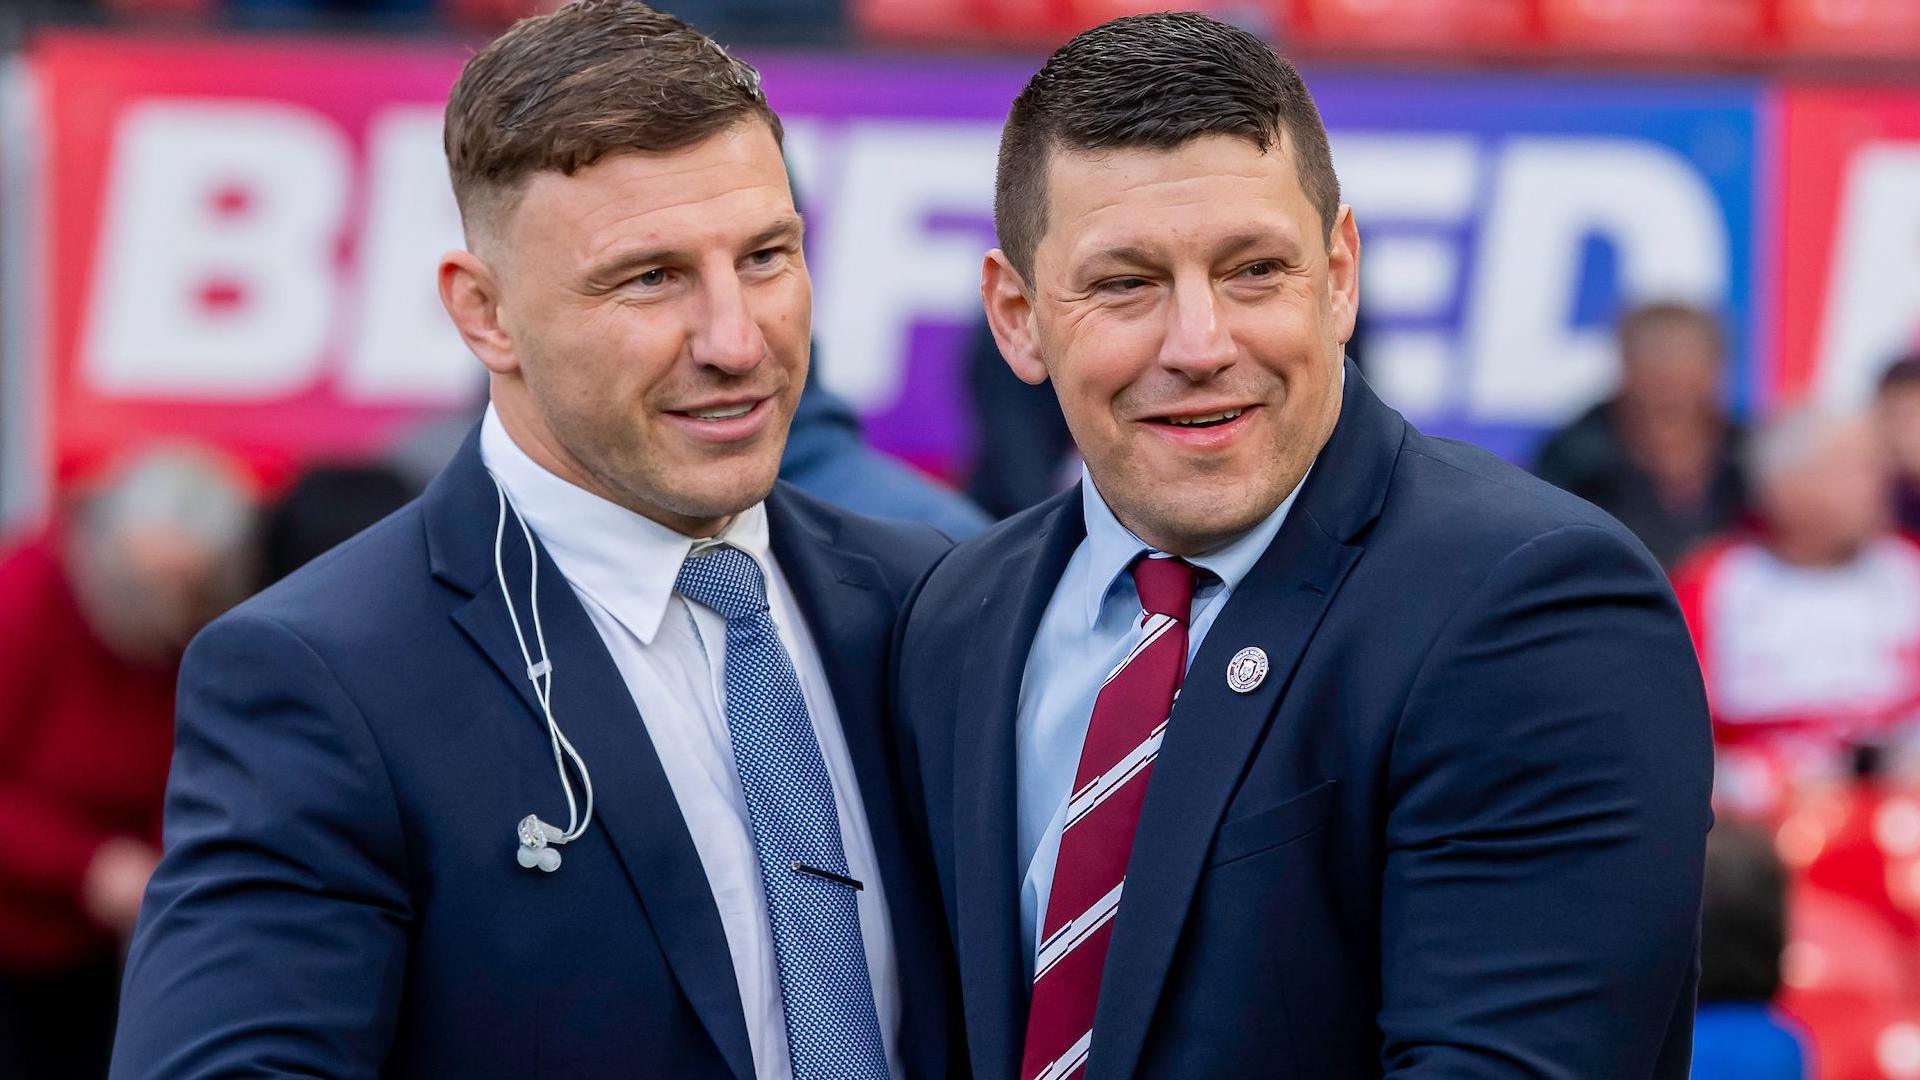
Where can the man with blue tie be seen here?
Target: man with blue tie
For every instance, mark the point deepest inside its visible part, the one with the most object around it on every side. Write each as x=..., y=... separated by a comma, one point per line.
x=1292, y=742
x=578, y=765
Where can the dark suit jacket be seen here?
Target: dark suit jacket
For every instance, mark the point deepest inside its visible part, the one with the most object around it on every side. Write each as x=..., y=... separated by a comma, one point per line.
x=1457, y=832
x=340, y=897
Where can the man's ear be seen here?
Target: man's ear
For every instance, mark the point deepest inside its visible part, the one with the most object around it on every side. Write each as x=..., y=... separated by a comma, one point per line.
x=1343, y=273
x=1010, y=315
x=470, y=292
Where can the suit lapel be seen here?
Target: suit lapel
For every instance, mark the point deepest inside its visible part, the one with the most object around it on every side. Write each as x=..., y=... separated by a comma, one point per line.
x=634, y=807
x=992, y=970
x=1212, y=734
x=847, y=608
x=1214, y=731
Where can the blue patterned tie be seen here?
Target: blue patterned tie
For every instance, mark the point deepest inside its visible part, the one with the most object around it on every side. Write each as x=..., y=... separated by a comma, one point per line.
x=833, y=1031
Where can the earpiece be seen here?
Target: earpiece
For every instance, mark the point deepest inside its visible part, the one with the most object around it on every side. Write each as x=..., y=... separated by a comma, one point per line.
x=538, y=840
x=536, y=836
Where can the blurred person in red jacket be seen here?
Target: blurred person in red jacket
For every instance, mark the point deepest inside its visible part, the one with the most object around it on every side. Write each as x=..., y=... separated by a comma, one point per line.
x=94, y=614
x=1808, y=630
x=1661, y=454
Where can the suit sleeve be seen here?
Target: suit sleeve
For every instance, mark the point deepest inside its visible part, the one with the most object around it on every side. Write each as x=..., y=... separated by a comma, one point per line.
x=273, y=940
x=1546, y=827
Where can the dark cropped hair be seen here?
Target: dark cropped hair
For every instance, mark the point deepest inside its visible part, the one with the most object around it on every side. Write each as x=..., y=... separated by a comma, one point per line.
x=1902, y=373
x=1743, y=921
x=1153, y=81
x=561, y=91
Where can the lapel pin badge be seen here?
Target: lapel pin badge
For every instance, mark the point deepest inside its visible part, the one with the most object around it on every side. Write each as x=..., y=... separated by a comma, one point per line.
x=1247, y=670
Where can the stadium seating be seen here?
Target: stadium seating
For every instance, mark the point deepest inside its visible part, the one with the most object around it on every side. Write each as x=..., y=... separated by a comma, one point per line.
x=1410, y=24
x=1710, y=30
x=1654, y=26
x=1861, y=27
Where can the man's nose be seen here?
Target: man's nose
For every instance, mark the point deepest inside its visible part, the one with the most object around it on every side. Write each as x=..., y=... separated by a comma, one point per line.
x=728, y=337
x=1197, y=345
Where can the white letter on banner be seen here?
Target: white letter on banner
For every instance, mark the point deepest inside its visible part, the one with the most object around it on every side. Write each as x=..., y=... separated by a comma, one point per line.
x=1528, y=364
x=881, y=268
x=1409, y=276
x=808, y=147
x=215, y=275
x=1873, y=295
x=404, y=347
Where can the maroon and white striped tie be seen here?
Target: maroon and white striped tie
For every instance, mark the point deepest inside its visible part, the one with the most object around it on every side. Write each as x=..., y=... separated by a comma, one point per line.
x=1129, y=720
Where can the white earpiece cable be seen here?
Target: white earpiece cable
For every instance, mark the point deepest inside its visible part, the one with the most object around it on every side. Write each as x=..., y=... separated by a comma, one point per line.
x=541, y=673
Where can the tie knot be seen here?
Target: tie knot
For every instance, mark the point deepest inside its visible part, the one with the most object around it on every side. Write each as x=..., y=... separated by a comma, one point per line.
x=1165, y=585
x=725, y=579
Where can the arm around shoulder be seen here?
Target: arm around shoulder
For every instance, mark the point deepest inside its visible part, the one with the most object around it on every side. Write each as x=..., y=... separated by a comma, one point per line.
x=273, y=938
x=1546, y=825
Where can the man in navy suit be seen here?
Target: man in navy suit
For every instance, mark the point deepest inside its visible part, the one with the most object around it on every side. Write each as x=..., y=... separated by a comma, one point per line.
x=577, y=766
x=1433, y=798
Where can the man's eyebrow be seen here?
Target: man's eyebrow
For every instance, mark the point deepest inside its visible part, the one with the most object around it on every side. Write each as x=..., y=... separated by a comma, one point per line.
x=1240, y=243
x=787, y=228
x=1122, y=255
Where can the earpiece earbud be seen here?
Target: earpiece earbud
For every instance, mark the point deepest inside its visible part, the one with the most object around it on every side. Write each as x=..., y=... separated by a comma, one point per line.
x=536, y=840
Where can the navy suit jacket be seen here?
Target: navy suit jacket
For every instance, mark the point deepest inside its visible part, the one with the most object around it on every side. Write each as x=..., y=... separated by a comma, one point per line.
x=339, y=895
x=1458, y=831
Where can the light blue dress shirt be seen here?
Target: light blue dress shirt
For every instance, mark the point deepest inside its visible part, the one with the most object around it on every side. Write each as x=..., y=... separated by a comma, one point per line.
x=1092, y=621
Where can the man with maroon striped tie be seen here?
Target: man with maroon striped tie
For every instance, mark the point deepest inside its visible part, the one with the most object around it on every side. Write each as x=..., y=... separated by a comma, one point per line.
x=1292, y=742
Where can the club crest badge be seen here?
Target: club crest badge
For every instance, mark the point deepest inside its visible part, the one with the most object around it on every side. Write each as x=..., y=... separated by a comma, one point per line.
x=1247, y=670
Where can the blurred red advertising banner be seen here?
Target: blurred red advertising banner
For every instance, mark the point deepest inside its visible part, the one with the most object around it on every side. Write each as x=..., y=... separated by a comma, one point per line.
x=239, y=223
x=1848, y=214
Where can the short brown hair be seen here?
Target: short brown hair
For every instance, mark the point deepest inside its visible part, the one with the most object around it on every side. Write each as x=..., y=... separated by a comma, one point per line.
x=561, y=91
x=1153, y=81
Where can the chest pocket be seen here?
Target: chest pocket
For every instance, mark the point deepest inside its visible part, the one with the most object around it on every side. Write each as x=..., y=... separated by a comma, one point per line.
x=1262, y=830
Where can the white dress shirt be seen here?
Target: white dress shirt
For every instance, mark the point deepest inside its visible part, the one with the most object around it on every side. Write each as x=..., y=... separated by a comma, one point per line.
x=672, y=654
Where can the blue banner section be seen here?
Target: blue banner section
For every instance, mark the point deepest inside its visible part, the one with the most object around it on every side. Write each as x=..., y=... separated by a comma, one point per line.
x=1506, y=222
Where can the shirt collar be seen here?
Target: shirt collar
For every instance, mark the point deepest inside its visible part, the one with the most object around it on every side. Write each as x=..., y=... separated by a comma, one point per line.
x=1111, y=546
x=625, y=562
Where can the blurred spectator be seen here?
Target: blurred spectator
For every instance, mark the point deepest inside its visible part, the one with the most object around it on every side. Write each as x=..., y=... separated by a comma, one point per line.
x=828, y=457
x=94, y=615
x=1661, y=455
x=327, y=505
x=1809, y=631
x=1022, y=451
x=1737, y=1034
x=1898, y=409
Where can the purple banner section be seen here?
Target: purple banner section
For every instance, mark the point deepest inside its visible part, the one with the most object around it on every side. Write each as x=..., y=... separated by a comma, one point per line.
x=895, y=324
